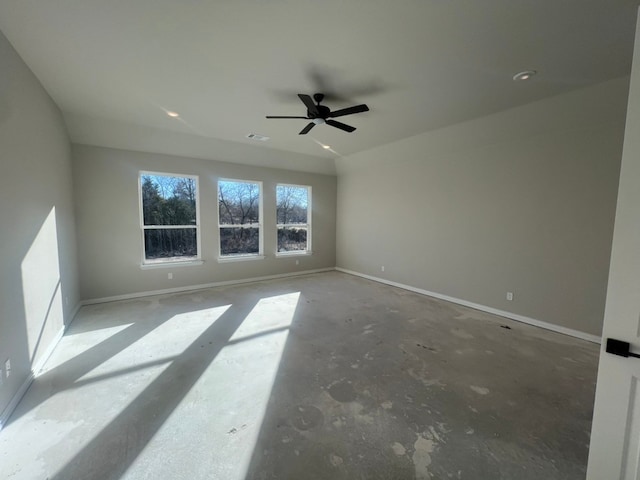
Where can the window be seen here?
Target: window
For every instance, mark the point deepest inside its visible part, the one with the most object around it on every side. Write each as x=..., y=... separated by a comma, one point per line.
x=239, y=217
x=293, y=207
x=169, y=217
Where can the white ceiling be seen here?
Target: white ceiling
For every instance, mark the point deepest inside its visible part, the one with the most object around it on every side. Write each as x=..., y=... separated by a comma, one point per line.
x=114, y=67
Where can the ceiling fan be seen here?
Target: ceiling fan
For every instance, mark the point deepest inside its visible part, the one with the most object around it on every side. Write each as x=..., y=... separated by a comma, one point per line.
x=319, y=114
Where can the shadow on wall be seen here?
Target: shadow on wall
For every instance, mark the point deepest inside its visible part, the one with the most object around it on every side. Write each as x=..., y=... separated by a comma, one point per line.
x=34, y=307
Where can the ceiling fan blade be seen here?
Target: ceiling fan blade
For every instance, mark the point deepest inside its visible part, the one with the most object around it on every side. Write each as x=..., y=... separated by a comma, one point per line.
x=306, y=129
x=341, y=126
x=349, y=111
x=308, y=101
x=276, y=116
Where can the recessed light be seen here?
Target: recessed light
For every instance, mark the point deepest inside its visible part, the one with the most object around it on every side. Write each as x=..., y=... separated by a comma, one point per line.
x=326, y=147
x=173, y=114
x=526, y=75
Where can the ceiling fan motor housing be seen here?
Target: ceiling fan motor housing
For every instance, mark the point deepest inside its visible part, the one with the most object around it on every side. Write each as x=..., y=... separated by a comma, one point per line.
x=319, y=114
x=323, y=112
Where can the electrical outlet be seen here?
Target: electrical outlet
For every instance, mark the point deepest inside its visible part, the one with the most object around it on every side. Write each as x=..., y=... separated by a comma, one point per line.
x=510, y=296
x=7, y=367
x=170, y=276
x=382, y=268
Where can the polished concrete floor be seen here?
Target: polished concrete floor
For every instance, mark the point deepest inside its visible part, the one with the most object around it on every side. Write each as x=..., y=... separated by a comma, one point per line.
x=325, y=376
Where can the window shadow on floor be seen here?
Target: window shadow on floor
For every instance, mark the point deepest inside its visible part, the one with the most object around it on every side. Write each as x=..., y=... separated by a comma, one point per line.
x=103, y=456
x=65, y=375
x=379, y=383
x=325, y=376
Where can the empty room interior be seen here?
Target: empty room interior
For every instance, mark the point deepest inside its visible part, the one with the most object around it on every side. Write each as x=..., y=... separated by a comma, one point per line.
x=319, y=240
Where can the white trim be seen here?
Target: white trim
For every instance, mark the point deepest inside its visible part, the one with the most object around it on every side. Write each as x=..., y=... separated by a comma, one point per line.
x=307, y=225
x=294, y=253
x=239, y=258
x=203, y=286
x=250, y=225
x=513, y=316
x=144, y=227
x=36, y=369
x=174, y=263
x=6, y=413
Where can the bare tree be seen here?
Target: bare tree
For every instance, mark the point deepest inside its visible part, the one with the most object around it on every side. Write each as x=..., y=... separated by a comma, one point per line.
x=239, y=210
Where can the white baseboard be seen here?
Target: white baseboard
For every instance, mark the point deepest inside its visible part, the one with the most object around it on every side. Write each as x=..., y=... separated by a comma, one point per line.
x=513, y=316
x=6, y=413
x=39, y=365
x=203, y=286
x=36, y=368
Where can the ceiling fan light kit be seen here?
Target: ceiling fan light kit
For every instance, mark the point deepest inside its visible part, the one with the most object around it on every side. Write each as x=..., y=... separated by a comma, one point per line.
x=319, y=114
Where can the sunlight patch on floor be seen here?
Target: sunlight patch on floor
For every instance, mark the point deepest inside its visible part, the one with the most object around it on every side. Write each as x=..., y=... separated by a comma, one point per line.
x=117, y=379
x=167, y=340
x=69, y=348
x=235, y=390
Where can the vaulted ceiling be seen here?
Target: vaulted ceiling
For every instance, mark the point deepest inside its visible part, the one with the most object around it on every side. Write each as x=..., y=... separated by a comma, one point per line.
x=116, y=67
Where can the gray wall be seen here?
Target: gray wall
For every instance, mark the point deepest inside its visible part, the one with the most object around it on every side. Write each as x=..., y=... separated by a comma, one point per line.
x=519, y=201
x=38, y=284
x=108, y=222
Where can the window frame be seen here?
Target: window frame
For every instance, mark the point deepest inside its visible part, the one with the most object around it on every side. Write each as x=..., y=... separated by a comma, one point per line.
x=260, y=225
x=308, y=250
x=145, y=264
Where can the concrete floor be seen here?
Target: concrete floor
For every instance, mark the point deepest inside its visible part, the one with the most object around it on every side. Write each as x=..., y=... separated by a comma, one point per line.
x=325, y=376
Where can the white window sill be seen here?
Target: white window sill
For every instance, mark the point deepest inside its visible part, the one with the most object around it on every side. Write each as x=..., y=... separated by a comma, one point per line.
x=296, y=253
x=240, y=258
x=171, y=264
